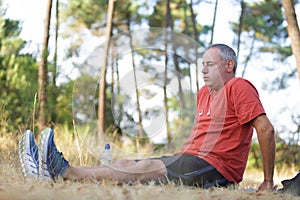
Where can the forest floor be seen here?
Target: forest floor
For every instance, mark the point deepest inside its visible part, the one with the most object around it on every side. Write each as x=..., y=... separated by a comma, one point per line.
x=14, y=186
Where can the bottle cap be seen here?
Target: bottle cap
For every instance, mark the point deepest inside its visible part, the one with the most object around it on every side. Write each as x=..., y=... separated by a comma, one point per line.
x=107, y=146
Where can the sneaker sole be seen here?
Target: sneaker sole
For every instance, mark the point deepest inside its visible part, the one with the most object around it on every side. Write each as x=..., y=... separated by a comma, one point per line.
x=24, y=158
x=20, y=152
x=44, y=171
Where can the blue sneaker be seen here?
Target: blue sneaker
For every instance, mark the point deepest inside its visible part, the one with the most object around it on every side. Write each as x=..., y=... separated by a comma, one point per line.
x=52, y=162
x=28, y=155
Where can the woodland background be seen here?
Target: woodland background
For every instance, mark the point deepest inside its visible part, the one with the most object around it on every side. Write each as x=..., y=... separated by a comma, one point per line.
x=33, y=98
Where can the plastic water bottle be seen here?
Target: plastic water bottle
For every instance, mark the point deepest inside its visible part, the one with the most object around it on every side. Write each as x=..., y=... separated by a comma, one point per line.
x=106, y=156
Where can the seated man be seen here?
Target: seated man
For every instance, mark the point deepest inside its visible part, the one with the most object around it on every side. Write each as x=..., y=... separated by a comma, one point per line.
x=215, y=153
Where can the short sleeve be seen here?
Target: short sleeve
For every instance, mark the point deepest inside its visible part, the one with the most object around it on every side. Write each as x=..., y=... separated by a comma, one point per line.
x=246, y=102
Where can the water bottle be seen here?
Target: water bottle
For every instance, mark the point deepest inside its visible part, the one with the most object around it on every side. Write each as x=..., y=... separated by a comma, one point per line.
x=106, y=156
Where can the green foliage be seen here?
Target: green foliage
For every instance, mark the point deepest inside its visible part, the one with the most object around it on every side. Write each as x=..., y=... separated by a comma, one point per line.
x=264, y=21
x=255, y=159
x=63, y=106
x=157, y=18
x=287, y=155
x=84, y=13
x=282, y=51
x=18, y=75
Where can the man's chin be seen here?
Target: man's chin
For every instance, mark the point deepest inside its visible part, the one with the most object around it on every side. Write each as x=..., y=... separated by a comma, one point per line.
x=208, y=84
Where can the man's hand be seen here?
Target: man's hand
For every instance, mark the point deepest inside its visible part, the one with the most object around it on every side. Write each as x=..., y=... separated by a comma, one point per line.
x=267, y=186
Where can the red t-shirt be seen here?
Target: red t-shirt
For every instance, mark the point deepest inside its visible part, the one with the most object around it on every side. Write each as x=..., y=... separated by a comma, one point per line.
x=222, y=135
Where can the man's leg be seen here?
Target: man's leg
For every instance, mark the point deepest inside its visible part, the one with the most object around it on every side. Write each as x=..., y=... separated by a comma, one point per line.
x=53, y=165
x=123, y=171
x=194, y=171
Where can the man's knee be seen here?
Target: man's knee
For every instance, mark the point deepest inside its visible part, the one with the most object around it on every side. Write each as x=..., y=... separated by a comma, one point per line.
x=151, y=166
x=124, y=163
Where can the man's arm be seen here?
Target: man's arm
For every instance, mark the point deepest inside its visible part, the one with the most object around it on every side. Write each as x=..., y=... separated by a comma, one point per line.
x=266, y=139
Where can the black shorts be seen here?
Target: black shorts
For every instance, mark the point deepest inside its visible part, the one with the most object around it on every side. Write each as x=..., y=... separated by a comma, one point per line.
x=192, y=171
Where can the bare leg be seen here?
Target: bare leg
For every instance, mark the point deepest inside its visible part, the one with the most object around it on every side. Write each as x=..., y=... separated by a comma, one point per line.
x=117, y=164
x=123, y=171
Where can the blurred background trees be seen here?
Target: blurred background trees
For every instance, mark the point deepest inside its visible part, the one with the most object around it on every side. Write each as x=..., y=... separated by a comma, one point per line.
x=262, y=29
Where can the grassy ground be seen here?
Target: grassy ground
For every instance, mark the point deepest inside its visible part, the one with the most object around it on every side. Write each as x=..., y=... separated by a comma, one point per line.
x=14, y=186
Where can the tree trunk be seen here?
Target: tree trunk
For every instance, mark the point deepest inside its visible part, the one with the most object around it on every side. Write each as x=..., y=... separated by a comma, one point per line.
x=120, y=107
x=102, y=86
x=169, y=24
x=43, y=71
x=195, y=32
x=178, y=74
x=293, y=30
x=214, y=22
x=240, y=27
x=141, y=134
x=54, y=89
x=249, y=55
x=166, y=110
x=186, y=18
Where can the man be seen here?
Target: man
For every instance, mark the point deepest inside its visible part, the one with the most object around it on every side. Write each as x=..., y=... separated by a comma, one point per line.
x=216, y=152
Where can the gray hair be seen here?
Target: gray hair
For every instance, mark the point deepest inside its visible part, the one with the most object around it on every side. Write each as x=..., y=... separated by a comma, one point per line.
x=226, y=53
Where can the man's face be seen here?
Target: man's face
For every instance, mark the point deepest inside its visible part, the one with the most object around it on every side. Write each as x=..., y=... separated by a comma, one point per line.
x=213, y=69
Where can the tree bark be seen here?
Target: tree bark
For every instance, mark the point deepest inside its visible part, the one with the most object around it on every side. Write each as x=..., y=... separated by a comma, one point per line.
x=54, y=89
x=43, y=71
x=293, y=30
x=249, y=55
x=102, y=86
x=141, y=135
x=214, y=22
x=169, y=24
x=195, y=32
x=240, y=26
x=56, y=42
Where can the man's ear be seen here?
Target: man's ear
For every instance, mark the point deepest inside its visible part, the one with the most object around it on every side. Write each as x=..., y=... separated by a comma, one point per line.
x=229, y=65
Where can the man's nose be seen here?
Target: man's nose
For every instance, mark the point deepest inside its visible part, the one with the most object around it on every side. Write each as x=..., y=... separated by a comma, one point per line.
x=204, y=69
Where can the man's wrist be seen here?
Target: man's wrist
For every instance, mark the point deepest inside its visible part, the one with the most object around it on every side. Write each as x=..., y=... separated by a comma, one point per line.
x=268, y=180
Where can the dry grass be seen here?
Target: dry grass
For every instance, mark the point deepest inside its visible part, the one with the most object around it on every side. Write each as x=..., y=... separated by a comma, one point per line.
x=14, y=186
